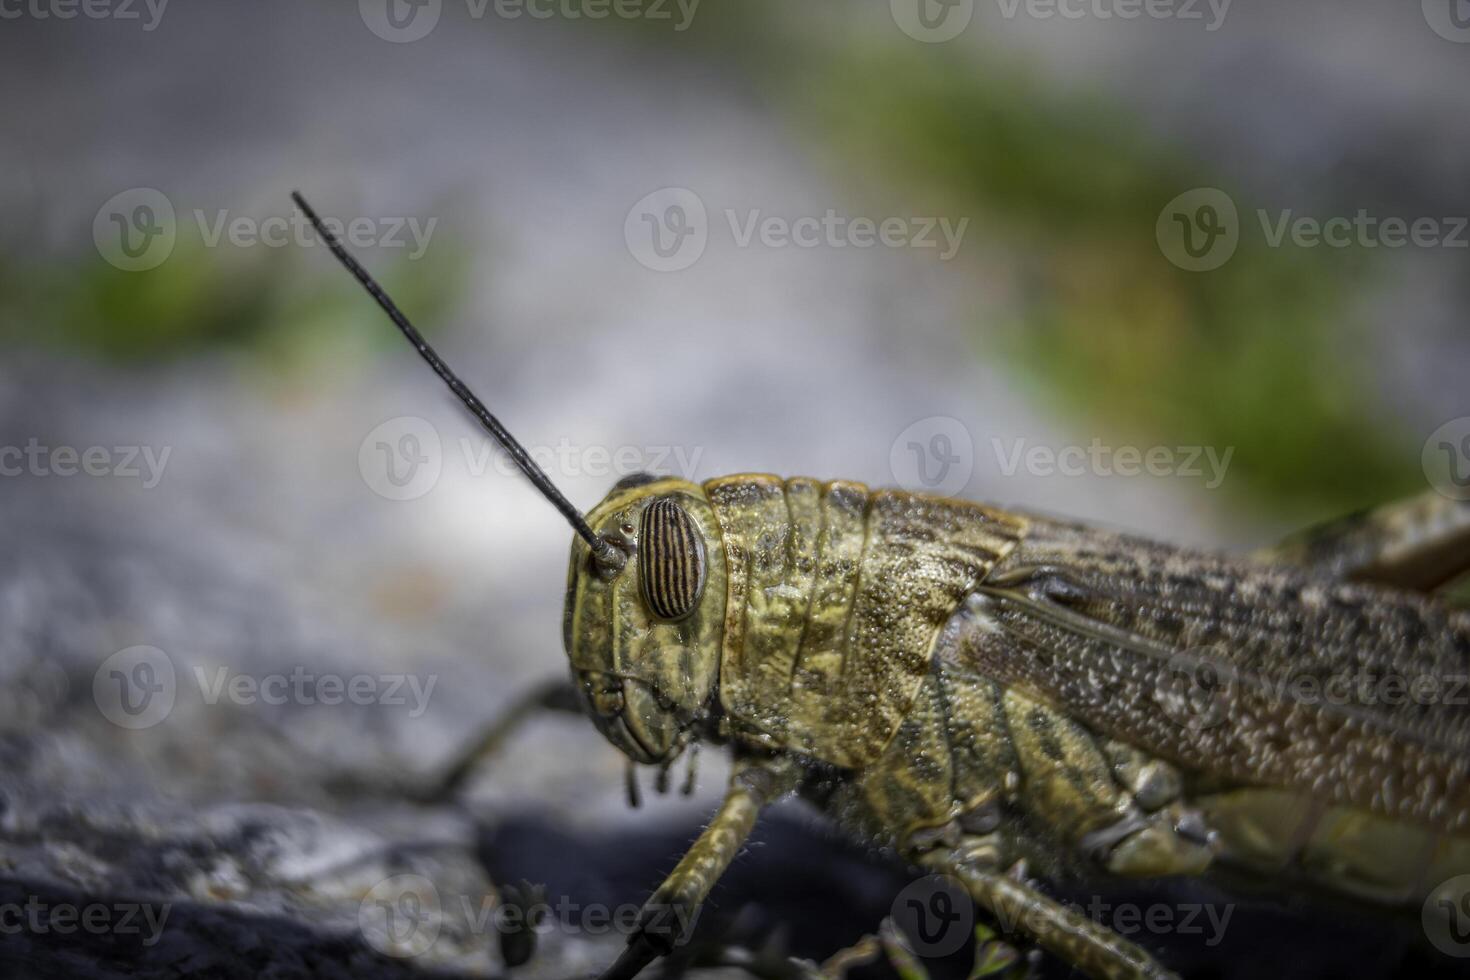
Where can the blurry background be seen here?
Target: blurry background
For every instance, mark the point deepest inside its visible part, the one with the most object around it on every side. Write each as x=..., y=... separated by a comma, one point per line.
x=1095, y=243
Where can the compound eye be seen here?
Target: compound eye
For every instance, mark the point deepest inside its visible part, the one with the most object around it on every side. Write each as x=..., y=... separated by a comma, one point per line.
x=671, y=560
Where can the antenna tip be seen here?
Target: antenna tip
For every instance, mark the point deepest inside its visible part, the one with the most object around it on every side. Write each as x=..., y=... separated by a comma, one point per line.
x=301, y=203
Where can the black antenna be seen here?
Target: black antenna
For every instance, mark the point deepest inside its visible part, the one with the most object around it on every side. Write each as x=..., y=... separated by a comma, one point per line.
x=604, y=552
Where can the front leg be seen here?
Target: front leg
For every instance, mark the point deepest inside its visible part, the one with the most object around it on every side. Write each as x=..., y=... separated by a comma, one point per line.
x=552, y=696
x=667, y=918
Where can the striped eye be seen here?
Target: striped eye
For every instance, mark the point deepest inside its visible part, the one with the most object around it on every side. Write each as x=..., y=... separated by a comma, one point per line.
x=670, y=560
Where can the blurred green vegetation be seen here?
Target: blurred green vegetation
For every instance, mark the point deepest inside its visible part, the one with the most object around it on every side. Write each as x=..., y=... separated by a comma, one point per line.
x=1261, y=354
x=1064, y=189
x=284, y=306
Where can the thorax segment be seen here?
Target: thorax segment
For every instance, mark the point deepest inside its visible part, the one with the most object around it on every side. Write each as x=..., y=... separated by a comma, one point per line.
x=836, y=596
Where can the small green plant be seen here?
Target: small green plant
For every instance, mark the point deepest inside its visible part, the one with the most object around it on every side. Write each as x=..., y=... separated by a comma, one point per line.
x=263, y=302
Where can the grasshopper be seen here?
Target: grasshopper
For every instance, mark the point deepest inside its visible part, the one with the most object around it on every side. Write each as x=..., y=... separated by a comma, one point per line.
x=986, y=690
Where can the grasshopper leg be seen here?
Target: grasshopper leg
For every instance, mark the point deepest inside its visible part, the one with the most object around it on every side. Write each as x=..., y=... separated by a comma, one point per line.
x=1420, y=544
x=552, y=696
x=667, y=917
x=1021, y=909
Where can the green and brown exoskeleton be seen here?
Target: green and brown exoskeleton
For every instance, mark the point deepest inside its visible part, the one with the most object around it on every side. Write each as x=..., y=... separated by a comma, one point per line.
x=984, y=690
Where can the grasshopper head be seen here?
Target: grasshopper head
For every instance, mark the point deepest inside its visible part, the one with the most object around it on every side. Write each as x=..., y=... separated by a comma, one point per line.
x=644, y=638
x=646, y=594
